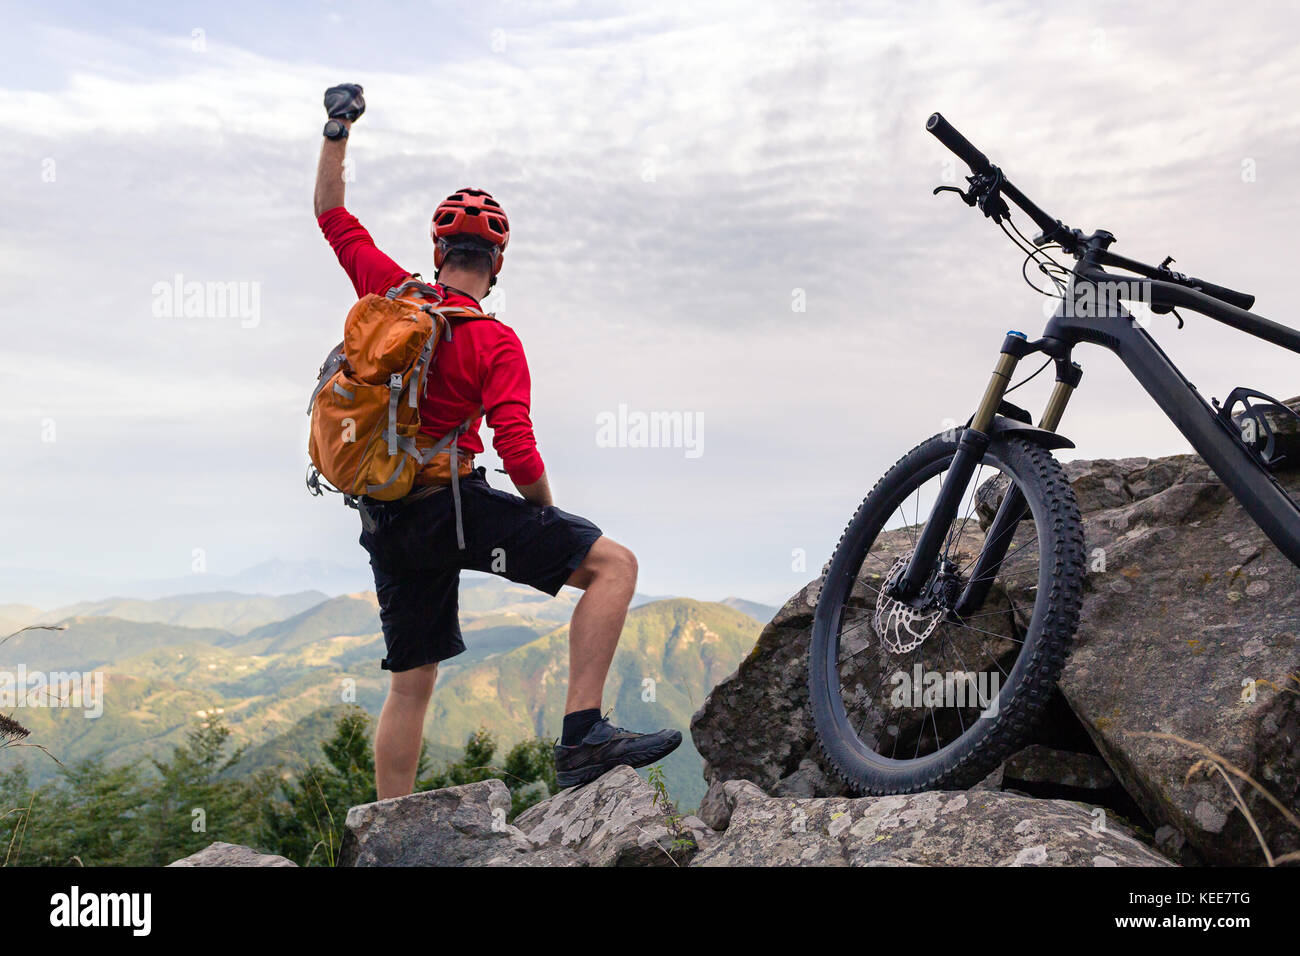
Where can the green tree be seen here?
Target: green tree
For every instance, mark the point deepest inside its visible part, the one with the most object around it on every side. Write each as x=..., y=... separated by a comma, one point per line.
x=193, y=799
x=132, y=814
x=528, y=770
x=307, y=825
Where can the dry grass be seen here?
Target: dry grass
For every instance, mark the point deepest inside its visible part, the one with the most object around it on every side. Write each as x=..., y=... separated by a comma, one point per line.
x=1210, y=764
x=35, y=627
x=14, y=734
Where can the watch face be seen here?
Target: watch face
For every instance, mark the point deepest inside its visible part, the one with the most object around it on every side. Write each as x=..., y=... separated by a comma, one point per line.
x=335, y=130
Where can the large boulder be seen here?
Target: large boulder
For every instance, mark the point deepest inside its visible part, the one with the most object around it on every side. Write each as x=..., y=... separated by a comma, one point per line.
x=756, y=724
x=231, y=854
x=614, y=821
x=458, y=826
x=1189, y=630
x=986, y=828
x=1039, y=766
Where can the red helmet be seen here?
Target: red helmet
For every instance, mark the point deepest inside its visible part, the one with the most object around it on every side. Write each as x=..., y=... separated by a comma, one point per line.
x=474, y=213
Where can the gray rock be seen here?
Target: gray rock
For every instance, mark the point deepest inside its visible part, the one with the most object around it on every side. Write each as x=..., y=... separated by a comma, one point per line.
x=720, y=801
x=926, y=829
x=713, y=809
x=1037, y=764
x=809, y=780
x=546, y=856
x=458, y=826
x=613, y=821
x=231, y=854
x=756, y=724
x=1194, y=615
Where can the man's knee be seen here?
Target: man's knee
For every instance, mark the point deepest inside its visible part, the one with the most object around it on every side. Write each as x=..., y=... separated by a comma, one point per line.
x=612, y=562
x=414, y=684
x=620, y=564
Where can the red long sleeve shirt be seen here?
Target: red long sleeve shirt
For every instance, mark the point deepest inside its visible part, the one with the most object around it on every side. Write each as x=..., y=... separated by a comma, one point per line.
x=483, y=364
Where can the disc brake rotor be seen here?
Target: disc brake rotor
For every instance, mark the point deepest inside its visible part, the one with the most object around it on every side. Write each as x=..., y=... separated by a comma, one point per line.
x=901, y=627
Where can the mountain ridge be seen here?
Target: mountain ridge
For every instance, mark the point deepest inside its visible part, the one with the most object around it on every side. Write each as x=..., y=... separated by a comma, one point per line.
x=161, y=677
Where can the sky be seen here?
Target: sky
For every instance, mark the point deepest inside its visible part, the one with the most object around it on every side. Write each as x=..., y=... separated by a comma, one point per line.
x=719, y=209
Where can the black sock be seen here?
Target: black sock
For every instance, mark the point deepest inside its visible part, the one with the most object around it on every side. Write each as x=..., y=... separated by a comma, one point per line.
x=577, y=724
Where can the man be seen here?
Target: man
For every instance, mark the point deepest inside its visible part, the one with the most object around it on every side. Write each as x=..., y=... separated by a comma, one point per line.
x=413, y=546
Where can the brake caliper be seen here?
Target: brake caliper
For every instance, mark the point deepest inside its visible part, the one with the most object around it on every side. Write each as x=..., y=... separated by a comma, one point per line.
x=903, y=626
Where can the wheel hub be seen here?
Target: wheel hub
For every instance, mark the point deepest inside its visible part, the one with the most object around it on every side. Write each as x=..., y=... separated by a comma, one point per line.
x=903, y=625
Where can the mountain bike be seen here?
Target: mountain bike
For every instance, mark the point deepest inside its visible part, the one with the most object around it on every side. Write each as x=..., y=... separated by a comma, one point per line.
x=949, y=606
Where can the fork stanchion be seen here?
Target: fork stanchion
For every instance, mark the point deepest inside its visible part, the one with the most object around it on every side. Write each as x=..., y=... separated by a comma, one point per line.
x=1067, y=380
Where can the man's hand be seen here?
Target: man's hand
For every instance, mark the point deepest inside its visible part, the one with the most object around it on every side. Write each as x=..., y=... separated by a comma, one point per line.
x=345, y=102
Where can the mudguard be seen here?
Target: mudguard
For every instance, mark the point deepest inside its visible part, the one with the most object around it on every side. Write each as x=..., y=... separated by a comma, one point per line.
x=1004, y=426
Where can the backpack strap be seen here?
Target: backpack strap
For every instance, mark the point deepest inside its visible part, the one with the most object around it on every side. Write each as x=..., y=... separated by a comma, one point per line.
x=327, y=370
x=414, y=284
x=448, y=443
x=459, y=312
x=450, y=440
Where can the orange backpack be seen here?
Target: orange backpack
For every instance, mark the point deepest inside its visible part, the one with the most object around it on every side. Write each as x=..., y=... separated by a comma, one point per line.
x=365, y=410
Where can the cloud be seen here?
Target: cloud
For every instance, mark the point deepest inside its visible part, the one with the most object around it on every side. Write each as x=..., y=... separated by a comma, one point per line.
x=676, y=180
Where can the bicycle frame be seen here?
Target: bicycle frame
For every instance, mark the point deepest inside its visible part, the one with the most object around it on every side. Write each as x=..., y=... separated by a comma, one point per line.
x=1254, y=487
x=1113, y=327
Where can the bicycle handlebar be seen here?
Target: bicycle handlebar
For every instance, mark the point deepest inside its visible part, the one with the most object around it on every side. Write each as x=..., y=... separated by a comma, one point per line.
x=1242, y=300
x=1055, y=230
x=947, y=134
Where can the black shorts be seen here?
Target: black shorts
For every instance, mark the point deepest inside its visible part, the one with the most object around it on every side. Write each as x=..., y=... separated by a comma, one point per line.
x=417, y=564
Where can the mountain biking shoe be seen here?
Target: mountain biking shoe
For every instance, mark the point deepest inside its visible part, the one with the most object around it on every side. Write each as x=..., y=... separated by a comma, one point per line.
x=606, y=747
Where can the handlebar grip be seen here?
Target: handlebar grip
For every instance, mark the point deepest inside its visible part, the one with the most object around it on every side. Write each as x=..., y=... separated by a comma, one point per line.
x=945, y=133
x=1241, y=300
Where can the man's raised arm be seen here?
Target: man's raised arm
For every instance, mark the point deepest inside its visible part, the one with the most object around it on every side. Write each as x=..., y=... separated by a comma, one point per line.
x=344, y=104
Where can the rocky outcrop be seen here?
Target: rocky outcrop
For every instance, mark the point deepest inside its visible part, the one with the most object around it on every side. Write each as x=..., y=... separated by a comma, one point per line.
x=774, y=745
x=617, y=821
x=1188, y=630
x=458, y=826
x=614, y=821
x=1037, y=765
x=231, y=854
x=937, y=828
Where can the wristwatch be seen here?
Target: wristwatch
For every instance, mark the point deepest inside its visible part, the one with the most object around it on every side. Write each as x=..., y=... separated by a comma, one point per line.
x=336, y=130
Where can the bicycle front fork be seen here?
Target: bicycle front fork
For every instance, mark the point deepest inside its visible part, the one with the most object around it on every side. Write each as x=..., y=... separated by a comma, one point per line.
x=972, y=444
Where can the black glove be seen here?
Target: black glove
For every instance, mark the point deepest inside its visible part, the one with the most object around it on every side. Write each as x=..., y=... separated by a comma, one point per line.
x=345, y=101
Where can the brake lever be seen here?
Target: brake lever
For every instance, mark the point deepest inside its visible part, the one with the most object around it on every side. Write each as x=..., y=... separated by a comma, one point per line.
x=984, y=192
x=967, y=197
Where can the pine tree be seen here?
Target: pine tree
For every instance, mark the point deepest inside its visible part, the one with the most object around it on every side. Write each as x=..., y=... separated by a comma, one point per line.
x=133, y=814
x=307, y=825
x=528, y=770
x=194, y=800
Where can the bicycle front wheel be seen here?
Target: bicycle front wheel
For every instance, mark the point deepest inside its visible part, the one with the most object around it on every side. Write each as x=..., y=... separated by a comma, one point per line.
x=934, y=692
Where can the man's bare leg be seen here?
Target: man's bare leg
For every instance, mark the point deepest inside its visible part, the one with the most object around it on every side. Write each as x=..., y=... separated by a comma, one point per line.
x=607, y=577
x=401, y=730
x=589, y=745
